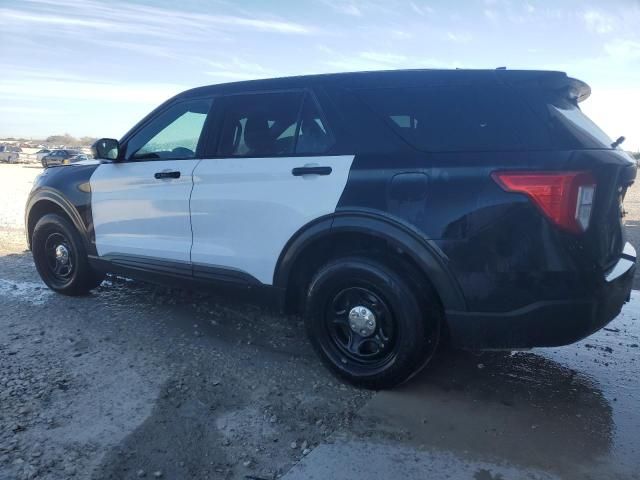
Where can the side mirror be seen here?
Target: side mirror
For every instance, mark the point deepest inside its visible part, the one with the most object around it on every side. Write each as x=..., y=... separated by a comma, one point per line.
x=106, y=148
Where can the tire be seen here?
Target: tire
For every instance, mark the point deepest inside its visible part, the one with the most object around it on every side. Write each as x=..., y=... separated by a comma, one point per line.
x=383, y=345
x=53, y=239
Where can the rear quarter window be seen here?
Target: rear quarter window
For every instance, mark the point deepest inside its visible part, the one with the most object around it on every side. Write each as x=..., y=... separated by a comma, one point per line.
x=458, y=118
x=570, y=127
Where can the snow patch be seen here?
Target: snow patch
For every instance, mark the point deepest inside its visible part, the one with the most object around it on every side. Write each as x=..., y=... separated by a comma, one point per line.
x=35, y=293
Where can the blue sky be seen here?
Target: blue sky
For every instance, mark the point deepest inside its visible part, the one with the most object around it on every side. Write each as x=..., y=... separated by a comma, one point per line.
x=91, y=67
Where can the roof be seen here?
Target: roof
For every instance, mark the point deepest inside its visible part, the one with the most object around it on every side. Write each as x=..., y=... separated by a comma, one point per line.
x=380, y=79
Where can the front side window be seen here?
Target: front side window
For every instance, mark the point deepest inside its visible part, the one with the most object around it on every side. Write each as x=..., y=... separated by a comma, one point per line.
x=174, y=134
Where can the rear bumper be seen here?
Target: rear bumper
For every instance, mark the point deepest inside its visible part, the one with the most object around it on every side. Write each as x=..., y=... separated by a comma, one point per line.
x=550, y=323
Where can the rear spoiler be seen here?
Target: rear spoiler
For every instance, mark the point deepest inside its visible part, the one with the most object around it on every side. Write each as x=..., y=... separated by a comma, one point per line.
x=578, y=89
x=575, y=89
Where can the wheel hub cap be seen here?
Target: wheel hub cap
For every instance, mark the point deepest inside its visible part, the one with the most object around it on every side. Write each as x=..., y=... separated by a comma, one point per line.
x=62, y=255
x=362, y=321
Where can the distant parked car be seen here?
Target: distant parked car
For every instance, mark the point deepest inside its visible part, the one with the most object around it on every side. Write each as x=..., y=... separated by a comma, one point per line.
x=81, y=157
x=58, y=157
x=40, y=154
x=9, y=154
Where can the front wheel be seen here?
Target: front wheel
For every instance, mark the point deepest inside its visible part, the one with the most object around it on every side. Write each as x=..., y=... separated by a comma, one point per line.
x=61, y=258
x=369, y=324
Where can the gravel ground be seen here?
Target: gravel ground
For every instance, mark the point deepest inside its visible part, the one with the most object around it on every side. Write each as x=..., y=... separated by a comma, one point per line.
x=136, y=381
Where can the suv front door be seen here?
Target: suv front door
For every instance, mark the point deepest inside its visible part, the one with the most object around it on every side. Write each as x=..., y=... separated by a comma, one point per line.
x=140, y=204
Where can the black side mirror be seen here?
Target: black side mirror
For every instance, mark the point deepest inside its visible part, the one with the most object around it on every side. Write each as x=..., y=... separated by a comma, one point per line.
x=106, y=148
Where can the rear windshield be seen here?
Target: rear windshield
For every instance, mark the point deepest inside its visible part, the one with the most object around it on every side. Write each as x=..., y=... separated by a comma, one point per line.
x=485, y=118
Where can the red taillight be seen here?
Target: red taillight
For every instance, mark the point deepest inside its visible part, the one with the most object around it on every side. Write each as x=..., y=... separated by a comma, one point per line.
x=565, y=198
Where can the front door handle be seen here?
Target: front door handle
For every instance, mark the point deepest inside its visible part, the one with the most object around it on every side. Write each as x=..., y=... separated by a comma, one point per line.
x=167, y=174
x=310, y=170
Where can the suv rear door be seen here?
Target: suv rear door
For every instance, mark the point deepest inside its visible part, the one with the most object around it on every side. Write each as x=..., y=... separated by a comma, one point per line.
x=270, y=172
x=140, y=204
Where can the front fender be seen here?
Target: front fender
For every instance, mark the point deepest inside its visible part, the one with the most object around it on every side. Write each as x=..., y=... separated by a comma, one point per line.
x=46, y=200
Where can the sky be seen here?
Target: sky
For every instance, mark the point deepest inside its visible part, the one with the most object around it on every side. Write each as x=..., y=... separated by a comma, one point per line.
x=91, y=67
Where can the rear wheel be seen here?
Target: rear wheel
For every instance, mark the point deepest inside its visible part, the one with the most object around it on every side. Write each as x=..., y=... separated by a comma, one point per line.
x=60, y=257
x=368, y=324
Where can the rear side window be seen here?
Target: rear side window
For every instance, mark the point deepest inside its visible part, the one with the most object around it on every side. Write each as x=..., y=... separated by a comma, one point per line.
x=458, y=118
x=272, y=124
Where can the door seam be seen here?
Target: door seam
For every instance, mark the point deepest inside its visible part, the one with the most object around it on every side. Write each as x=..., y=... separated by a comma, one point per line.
x=193, y=182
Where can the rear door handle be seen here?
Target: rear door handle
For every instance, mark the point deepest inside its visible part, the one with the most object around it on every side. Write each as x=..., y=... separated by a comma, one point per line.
x=166, y=174
x=310, y=170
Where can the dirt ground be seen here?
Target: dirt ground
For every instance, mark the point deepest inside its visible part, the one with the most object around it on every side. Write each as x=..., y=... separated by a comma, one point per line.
x=136, y=381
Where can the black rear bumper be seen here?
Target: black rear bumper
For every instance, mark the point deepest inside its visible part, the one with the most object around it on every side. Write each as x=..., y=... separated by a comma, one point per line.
x=547, y=323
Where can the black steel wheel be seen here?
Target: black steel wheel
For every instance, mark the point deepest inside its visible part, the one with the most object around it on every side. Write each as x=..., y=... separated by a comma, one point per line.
x=60, y=256
x=368, y=324
x=361, y=325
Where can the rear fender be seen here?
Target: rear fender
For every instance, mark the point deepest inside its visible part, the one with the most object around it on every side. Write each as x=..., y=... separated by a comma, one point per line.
x=402, y=237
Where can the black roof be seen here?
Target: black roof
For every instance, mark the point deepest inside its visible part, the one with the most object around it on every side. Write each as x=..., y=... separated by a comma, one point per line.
x=382, y=79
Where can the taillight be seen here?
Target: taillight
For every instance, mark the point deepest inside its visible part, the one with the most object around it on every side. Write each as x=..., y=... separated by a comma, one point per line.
x=566, y=198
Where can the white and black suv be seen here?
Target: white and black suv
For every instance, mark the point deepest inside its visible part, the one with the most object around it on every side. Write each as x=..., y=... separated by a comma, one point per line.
x=392, y=208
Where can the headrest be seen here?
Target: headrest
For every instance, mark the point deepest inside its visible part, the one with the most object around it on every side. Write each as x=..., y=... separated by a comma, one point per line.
x=257, y=135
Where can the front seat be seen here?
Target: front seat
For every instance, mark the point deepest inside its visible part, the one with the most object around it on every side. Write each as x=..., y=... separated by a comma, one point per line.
x=258, y=138
x=312, y=137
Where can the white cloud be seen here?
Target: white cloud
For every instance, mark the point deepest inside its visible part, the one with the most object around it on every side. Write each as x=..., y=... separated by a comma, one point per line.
x=237, y=69
x=598, y=22
x=22, y=110
x=382, y=57
x=401, y=34
x=120, y=17
x=344, y=7
x=623, y=49
x=421, y=10
x=235, y=75
x=459, y=37
x=370, y=60
x=30, y=88
x=324, y=49
x=490, y=14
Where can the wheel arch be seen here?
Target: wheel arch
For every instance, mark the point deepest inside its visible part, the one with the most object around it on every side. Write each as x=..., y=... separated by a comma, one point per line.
x=378, y=231
x=49, y=201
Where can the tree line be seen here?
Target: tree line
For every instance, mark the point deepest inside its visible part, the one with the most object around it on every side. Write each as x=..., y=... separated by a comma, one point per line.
x=70, y=141
x=63, y=139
